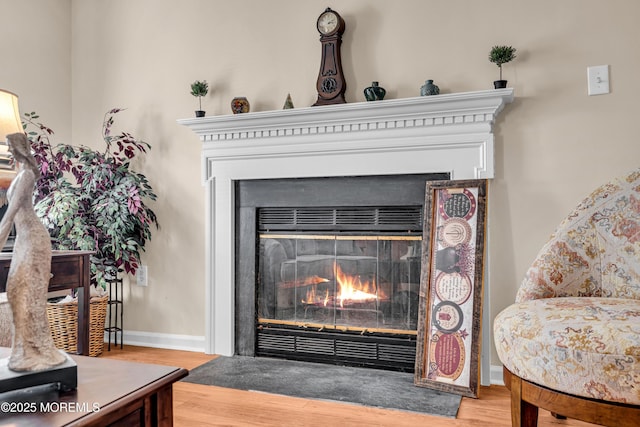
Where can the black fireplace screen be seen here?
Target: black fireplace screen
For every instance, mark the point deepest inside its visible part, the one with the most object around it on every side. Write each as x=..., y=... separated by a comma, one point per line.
x=342, y=282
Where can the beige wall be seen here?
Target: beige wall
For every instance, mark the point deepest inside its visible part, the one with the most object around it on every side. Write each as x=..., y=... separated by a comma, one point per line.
x=553, y=144
x=35, y=59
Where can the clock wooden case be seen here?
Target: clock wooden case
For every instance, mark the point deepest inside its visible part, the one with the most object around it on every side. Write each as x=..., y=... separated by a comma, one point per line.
x=330, y=84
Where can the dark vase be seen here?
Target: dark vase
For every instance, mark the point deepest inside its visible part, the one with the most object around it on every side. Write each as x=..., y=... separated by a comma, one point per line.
x=429, y=88
x=374, y=92
x=500, y=84
x=200, y=113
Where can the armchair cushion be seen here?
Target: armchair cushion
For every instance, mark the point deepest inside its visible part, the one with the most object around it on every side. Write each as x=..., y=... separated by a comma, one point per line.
x=583, y=346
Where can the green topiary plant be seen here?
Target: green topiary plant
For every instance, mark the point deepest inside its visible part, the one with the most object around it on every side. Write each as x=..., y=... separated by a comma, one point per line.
x=92, y=200
x=501, y=55
x=199, y=89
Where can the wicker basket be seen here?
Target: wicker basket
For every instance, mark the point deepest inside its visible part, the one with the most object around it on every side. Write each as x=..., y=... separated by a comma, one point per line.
x=63, y=321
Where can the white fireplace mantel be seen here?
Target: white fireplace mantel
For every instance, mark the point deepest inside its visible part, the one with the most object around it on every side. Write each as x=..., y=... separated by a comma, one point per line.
x=452, y=133
x=445, y=133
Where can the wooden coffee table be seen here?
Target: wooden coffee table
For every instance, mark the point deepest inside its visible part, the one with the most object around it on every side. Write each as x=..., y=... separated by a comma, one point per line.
x=109, y=392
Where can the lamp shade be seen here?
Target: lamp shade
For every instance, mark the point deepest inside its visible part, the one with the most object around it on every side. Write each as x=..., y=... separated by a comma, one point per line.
x=9, y=123
x=9, y=115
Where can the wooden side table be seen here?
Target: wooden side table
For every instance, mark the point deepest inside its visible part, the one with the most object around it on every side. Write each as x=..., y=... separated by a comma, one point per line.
x=69, y=270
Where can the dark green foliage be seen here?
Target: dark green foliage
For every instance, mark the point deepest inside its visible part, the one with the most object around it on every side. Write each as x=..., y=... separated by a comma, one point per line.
x=501, y=55
x=199, y=89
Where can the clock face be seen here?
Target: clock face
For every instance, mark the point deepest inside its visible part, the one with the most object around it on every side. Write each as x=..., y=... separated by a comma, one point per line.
x=327, y=22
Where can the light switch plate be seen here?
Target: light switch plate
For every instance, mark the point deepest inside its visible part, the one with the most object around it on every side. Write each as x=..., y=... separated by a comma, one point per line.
x=598, y=80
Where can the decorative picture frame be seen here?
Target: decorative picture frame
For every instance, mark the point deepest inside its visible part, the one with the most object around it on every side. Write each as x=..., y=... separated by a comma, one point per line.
x=451, y=287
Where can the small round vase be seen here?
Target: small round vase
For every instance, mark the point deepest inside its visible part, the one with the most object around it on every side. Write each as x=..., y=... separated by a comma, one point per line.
x=239, y=105
x=429, y=88
x=374, y=92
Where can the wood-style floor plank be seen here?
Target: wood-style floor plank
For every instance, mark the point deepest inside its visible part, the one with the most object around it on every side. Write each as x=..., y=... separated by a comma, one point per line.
x=198, y=405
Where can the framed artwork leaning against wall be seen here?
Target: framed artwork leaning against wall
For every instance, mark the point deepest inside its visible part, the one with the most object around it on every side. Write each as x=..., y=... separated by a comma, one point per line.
x=451, y=286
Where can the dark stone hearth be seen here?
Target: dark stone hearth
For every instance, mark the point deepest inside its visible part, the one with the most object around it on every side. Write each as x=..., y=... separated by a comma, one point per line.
x=382, y=389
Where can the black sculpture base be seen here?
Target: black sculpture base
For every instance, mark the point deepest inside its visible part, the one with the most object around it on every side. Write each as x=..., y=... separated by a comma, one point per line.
x=25, y=386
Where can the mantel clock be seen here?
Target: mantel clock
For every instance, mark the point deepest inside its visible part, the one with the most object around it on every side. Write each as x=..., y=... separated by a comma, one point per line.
x=330, y=85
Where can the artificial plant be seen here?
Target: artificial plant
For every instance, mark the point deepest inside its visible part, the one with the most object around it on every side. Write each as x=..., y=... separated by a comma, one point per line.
x=91, y=199
x=199, y=89
x=501, y=55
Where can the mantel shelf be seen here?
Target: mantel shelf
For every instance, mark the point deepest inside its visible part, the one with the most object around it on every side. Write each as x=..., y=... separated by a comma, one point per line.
x=477, y=108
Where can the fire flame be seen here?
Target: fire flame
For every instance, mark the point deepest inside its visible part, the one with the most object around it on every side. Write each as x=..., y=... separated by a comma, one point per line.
x=350, y=288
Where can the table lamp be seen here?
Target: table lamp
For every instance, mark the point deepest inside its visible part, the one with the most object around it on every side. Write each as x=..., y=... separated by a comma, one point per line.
x=9, y=114
x=9, y=123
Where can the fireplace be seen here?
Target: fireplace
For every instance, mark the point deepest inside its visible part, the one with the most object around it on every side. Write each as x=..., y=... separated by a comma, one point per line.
x=328, y=268
x=448, y=133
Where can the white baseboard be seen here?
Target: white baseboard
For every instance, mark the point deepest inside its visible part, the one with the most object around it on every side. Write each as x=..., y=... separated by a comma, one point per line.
x=496, y=375
x=158, y=340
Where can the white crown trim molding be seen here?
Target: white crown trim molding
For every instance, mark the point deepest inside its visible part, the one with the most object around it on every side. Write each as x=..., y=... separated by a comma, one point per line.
x=425, y=111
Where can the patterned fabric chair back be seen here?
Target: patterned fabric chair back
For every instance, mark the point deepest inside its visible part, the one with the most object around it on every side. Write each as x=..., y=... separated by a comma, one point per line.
x=595, y=251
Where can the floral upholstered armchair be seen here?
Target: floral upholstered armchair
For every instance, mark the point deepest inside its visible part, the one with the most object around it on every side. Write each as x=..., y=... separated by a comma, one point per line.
x=571, y=342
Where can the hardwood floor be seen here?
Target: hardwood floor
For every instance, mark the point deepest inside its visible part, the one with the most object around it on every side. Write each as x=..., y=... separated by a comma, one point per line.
x=201, y=406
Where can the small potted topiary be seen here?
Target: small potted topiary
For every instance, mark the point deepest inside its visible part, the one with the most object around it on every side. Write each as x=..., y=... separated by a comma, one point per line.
x=199, y=89
x=501, y=55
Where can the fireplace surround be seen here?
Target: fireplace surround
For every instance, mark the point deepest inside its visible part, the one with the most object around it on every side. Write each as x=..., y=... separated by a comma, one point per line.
x=331, y=265
x=449, y=133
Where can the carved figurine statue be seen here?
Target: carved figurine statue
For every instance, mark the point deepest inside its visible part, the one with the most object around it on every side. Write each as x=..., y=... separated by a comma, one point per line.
x=33, y=348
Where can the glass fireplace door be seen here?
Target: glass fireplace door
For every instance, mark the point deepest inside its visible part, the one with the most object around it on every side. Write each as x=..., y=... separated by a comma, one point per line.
x=341, y=282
